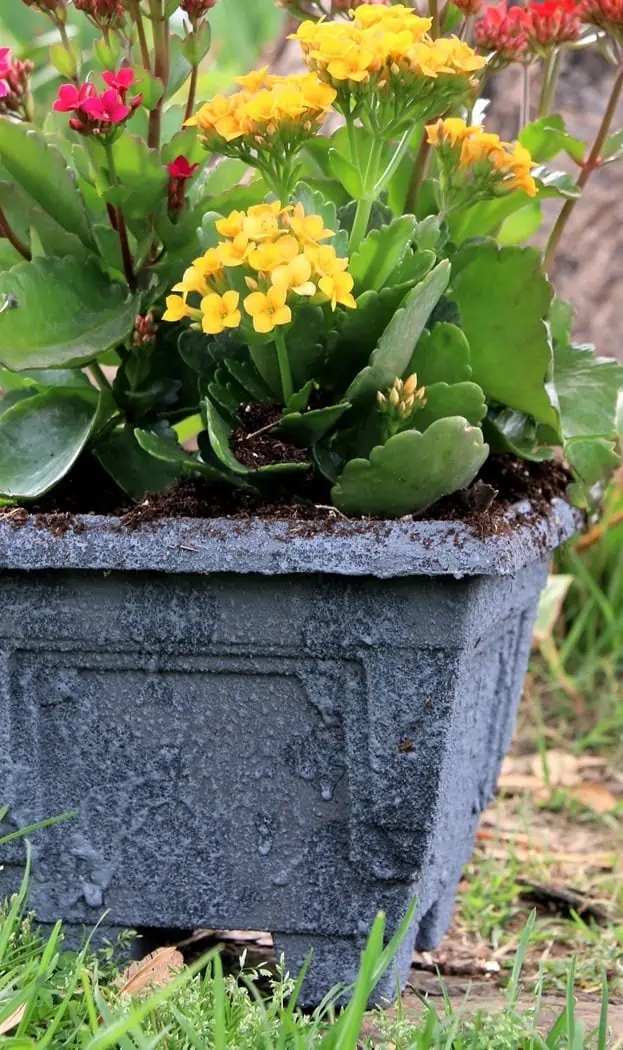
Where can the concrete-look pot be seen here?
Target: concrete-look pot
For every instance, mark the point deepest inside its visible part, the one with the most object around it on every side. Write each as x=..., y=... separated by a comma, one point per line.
x=262, y=725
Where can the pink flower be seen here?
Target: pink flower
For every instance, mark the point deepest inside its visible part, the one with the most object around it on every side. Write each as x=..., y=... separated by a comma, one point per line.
x=71, y=98
x=120, y=81
x=181, y=169
x=107, y=108
x=4, y=89
x=5, y=61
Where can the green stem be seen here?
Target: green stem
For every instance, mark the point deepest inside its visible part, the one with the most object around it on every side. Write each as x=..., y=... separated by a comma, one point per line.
x=137, y=18
x=159, y=29
x=524, y=112
x=119, y=224
x=364, y=205
x=419, y=171
x=100, y=379
x=192, y=92
x=62, y=28
x=551, y=73
x=588, y=167
x=360, y=225
x=391, y=168
x=352, y=142
x=285, y=372
x=433, y=12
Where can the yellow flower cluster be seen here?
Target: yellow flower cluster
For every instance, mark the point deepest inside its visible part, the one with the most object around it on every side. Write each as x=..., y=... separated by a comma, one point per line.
x=266, y=107
x=279, y=255
x=511, y=163
x=381, y=44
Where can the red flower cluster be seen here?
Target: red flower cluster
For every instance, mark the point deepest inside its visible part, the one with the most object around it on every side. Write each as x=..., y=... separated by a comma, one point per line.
x=180, y=170
x=196, y=9
x=15, y=76
x=515, y=33
x=502, y=30
x=99, y=113
x=106, y=14
x=607, y=14
x=5, y=69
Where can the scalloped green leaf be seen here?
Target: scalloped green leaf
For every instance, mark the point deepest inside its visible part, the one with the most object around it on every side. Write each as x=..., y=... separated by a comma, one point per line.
x=38, y=168
x=361, y=329
x=380, y=253
x=396, y=346
x=247, y=376
x=507, y=430
x=306, y=428
x=413, y=267
x=457, y=399
x=587, y=388
x=41, y=438
x=547, y=137
x=63, y=312
x=141, y=171
x=442, y=355
x=411, y=471
x=511, y=354
x=315, y=204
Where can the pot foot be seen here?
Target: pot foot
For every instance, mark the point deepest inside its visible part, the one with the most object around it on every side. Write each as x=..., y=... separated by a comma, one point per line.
x=335, y=961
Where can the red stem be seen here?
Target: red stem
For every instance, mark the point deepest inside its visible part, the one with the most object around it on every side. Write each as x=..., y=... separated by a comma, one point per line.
x=12, y=237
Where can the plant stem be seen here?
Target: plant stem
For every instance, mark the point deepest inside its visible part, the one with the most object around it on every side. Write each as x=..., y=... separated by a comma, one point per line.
x=352, y=142
x=419, y=171
x=287, y=388
x=524, y=112
x=98, y=375
x=137, y=18
x=160, y=34
x=391, y=168
x=360, y=225
x=192, y=93
x=433, y=12
x=364, y=204
x=588, y=167
x=551, y=73
x=12, y=237
x=120, y=226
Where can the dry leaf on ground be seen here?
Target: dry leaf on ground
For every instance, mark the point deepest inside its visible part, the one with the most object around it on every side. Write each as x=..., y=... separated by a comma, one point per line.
x=12, y=1021
x=594, y=795
x=154, y=971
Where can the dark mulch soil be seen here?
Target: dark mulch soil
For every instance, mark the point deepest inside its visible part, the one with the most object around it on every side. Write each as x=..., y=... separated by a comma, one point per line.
x=254, y=446
x=88, y=489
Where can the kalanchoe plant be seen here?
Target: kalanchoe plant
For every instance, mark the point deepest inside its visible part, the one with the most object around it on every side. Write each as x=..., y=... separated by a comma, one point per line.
x=356, y=317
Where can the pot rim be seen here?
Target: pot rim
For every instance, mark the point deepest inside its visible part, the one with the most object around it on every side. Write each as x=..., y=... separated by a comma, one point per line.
x=344, y=547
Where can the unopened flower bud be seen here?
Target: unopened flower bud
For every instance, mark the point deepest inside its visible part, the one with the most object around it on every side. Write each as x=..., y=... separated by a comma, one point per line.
x=56, y=9
x=196, y=9
x=106, y=14
x=145, y=329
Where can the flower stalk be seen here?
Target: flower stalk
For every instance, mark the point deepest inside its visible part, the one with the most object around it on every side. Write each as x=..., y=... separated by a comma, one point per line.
x=10, y=235
x=119, y=224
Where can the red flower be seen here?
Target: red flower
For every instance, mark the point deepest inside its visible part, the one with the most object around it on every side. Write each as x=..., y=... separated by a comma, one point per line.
x=107, y=108
x=71, y=98
x=4, y=89
x=120, y=81
x=607, y=14
x=5, y=61
x=552, y=22
x=469, y=7
x=181, y=169
x=502, y=30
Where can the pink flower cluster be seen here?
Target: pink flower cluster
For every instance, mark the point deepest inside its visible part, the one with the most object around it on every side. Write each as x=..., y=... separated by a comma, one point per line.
x=99, y=113
x=516, y=32
x=5, y=69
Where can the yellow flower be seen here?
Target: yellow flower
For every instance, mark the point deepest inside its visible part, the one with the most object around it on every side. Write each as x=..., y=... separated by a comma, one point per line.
x=209, y=264
x=192, y=281
x=308, y=228
x=317, y=94
x=262, y=221
x=295, y=276
x=256, y=79
x=268, y=310
x=324, y=260
x=338, y=289
x=177, y=309
x=231, y=225
x=452, y=130
x=345, y=62
x=236, y=252
x=220, y=312
x=267, y=256
x=523, y=182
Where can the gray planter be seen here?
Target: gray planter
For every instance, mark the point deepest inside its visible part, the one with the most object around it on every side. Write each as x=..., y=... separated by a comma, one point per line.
x=262, y=726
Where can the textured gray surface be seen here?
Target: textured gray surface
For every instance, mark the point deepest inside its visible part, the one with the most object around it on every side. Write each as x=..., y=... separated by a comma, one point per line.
x=284, y=752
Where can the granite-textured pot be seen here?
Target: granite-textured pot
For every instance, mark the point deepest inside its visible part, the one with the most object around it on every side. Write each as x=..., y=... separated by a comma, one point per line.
x=262, y=725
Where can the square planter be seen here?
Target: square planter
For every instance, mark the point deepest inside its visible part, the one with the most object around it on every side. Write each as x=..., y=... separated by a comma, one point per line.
x=262, y=725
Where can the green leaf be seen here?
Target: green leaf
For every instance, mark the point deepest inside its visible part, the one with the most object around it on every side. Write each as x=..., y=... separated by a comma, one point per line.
x=168, y=451
x=547, y=137
x=612, y=148
x=247, y=376
x=457, y=399
x=346, y=173
x=65, y=313
x=522, y=224
x=486, y=217
x=587, y=389
x=399, y=339
x=41, y=437
x=413, y=268
x=315, y=204
x=556, y=184
x=361, y=329
x=135, y=470
x=306, y=428
x=507, y=430
x=441, y=356
x=139, y=170
x=504, y=300
x=39, y=169
x=593, y=461
x=380, y=253
x=300, y=398
x=212, y=181
x=411, y=471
